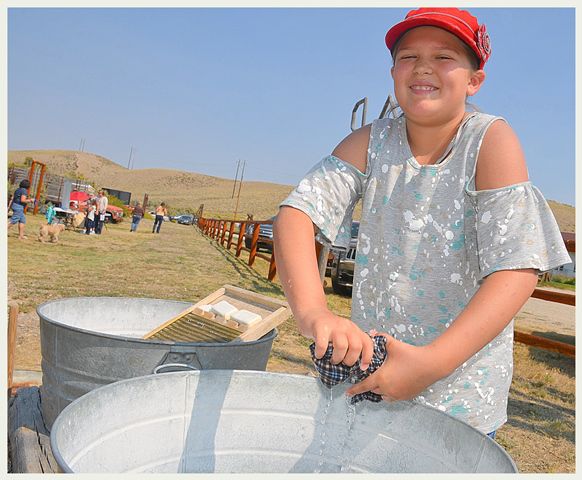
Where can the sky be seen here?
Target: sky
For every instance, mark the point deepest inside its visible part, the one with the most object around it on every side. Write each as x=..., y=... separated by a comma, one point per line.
x=199, y=89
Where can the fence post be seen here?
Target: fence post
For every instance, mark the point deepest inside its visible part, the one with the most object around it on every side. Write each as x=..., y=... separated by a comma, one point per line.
x=223, y=232
x=230, y=234
x=272, y=266
x=254, y=242
x=241, y=234
x=12, y=324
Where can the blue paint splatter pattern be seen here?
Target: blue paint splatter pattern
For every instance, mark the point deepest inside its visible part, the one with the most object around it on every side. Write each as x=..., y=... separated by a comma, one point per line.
x=427, y=240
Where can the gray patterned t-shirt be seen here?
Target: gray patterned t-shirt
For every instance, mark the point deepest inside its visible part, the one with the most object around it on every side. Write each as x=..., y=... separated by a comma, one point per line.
x=426, y=241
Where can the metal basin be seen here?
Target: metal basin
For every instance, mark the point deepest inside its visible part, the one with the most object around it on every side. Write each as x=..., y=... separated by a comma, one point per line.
x=87, y=342
x=256, y=422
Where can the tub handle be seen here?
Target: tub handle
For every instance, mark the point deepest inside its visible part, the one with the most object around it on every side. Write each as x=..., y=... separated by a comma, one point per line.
x=177, y=367
x=178, y=359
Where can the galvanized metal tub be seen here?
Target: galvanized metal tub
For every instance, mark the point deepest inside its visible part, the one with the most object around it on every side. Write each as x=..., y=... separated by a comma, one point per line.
x=257, y=422
x=87, y=342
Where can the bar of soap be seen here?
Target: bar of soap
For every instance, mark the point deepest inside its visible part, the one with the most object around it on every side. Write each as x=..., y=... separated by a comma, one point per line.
x=245, y=317
x=206, y=308
x=224, y=309
x=204, y=313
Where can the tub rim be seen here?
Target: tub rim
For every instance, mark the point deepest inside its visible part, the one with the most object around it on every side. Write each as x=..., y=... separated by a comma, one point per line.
x=60, y=418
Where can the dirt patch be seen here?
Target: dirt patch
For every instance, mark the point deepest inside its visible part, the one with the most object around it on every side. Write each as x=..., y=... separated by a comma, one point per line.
x=549, y=319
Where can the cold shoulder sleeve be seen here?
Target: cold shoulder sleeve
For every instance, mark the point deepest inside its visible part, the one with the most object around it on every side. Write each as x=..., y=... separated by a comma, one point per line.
x=328, y=195
x=516, y=230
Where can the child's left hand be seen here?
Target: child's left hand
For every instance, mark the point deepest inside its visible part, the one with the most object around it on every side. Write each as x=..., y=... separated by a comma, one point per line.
x=407, y=371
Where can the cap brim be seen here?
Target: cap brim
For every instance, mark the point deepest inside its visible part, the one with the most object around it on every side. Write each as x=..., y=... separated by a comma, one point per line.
x=401, y=28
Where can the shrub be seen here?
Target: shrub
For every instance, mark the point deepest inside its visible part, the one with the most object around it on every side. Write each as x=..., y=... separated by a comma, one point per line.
x=563, y=279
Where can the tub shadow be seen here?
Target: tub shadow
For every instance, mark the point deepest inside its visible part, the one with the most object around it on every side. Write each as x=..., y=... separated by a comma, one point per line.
x=198, y=453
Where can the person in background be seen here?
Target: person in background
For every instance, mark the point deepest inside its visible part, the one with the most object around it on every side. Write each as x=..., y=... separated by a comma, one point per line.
x=102, y=203
x=50, y=213
x=136, y=217
x=160, y=212
x=91, y=218
x=17, y=203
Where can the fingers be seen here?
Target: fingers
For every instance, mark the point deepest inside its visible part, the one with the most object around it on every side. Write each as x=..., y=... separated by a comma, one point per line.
x=340, y=348
x=353, y=352
x=367, y=385
x=367, y=353
x=321, y=344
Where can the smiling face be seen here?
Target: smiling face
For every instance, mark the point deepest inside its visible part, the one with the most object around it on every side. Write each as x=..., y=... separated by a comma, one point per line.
x=433, y=75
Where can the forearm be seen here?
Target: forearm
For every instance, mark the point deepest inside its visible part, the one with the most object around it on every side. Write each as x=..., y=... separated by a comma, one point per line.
x=297, y=266
x=497, y=301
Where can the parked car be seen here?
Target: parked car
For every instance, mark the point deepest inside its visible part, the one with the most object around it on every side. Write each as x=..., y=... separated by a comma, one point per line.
x=265, y=240
x=342, y=270
x=185, y=219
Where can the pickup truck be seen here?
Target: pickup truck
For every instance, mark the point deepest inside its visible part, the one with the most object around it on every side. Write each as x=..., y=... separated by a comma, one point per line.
x=113, y=214
x=342, y=269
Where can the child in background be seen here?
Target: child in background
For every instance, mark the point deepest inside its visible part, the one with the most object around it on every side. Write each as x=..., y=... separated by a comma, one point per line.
x=452, y=234
x=90, y=218
x=50, y=213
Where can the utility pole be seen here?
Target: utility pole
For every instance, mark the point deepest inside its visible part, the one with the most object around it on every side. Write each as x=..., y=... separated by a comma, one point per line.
x=239, y=187
x=130, y=154
x=235, y=177
x=82, y=145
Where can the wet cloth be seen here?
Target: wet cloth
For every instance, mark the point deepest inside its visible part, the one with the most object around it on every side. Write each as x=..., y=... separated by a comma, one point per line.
x=427, y=239
x=332, y=375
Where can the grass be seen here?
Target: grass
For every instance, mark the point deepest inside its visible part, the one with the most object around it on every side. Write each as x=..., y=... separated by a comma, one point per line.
x=181, y=264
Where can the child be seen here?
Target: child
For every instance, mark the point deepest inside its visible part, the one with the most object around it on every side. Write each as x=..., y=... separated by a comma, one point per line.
x=452, y=234
x=90, y=219
x=50, y=213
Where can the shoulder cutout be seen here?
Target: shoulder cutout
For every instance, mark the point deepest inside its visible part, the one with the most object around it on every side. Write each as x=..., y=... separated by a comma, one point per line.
x=501, y=161
x=354, y=148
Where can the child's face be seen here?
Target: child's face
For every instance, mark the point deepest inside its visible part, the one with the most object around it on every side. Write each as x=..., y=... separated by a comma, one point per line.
x=433, y=75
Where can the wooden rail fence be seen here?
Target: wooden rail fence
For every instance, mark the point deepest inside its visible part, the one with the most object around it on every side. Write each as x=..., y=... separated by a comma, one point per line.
x=227, y=232
x=230, y=232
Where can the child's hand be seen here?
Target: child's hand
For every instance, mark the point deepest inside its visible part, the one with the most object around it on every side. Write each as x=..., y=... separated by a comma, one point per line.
x=349, y=342
x=407, y=371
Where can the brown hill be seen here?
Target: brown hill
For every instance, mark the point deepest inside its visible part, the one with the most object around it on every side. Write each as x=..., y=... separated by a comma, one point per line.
x=180, y=190
x=186, y=191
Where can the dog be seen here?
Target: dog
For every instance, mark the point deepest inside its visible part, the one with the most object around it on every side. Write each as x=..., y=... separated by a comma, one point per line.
x=52, y=231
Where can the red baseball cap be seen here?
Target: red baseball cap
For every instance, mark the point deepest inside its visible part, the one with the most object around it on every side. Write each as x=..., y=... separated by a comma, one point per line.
x=458, y=22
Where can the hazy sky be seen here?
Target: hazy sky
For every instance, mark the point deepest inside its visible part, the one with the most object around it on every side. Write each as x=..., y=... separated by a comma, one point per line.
x=198, y=89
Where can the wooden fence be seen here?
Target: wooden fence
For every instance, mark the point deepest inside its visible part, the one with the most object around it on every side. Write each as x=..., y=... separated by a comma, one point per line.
x=227, y=232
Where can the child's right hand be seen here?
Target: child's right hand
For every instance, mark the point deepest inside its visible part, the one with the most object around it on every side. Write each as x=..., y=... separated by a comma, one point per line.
x=348, y=340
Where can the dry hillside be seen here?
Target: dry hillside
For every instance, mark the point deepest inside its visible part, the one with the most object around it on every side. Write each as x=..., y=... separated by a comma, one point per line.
x=182, y=190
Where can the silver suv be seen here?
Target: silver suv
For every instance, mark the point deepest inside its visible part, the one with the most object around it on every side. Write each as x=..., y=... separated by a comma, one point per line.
x=342, y=270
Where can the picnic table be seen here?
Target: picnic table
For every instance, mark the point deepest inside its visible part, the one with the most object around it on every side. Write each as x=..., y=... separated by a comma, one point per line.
x=66, y=216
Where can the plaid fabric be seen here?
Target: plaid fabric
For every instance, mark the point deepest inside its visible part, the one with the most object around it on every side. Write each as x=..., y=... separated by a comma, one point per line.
x=331, y=375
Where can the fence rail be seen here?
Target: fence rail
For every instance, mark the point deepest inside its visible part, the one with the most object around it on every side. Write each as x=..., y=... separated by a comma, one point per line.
x=225, y=231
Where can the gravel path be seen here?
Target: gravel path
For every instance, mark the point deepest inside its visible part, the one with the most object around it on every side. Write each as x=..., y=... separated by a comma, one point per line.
x=544, y=316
